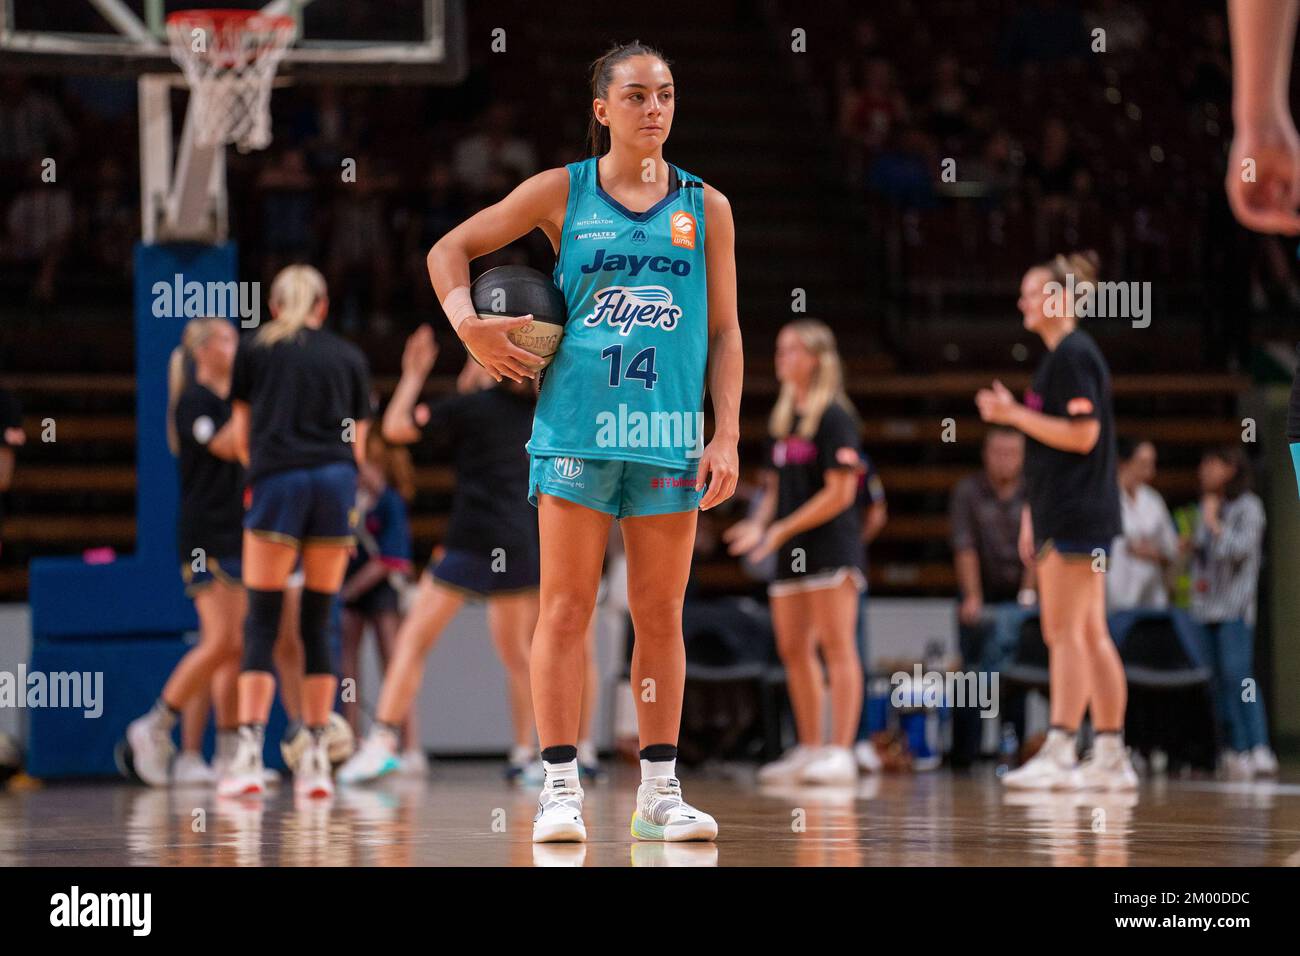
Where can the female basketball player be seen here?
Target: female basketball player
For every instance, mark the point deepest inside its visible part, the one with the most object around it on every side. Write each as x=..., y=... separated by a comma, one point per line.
x=490, y=554
x=212, y=487
x=632, y=235
x=301, y=398
x=1071, y=517
x=810, y=519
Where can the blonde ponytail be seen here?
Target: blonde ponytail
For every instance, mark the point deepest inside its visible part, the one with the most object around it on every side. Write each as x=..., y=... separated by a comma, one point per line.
x=294, y=294
x=196, y=332
x=826, y=388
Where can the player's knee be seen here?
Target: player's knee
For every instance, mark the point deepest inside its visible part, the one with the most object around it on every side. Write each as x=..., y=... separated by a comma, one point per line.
x=655, y=612
x=568, y=612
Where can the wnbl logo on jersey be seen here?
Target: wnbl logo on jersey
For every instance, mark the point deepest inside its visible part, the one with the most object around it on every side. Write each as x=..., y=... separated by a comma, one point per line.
x=625, y=306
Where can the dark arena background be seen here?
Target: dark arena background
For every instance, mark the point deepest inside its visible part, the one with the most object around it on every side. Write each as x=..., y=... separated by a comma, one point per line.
x=894, y=171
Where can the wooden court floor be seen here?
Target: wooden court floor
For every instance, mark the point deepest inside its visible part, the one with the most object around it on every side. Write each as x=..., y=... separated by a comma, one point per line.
x=466, y=815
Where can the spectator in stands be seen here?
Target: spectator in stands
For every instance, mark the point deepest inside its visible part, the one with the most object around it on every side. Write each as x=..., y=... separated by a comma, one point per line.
x=903, y=171
x=1135, y=576
x=39, y=231
x=33, y=126
x=1226, y=547
x=949, y=108
x=1124, y=25
x=984, y=512
x=360, y=262
x=113, y=223
x=496, y=158
x=871, y=107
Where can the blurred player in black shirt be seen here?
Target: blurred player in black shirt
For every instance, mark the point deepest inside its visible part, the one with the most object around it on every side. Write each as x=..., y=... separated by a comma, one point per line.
x=810, y=519
x=301, y=404
x=1071, y=516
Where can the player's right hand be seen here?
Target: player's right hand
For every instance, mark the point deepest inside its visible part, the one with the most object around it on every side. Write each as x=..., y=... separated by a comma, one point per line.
x=420, y=353
x=1263, y=177
x=487, y=340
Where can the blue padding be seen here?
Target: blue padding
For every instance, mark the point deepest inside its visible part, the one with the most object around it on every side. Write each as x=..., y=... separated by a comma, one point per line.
x=143, y=593
x=63, y=742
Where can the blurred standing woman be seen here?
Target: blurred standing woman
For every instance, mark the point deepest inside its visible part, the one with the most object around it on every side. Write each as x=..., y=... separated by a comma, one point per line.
x=1072, y=515
x=1225, y=555
x=301, y=399
x=200, y=434
x=809, y=519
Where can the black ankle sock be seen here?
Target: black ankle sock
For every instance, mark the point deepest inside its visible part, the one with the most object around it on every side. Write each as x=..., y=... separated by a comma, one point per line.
x=659, y=752
x=560, y=754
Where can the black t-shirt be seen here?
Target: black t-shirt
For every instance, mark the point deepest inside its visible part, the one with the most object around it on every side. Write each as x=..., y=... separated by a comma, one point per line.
x=488, y=430
x=801, y=465
x=1073, y=496
x=212, y=489
x=300, y=391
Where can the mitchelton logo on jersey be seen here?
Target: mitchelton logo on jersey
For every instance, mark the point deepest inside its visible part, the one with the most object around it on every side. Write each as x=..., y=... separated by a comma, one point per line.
x=626, y=306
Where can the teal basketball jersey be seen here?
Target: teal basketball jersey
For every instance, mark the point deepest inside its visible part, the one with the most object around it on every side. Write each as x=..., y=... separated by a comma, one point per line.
x=628, y=380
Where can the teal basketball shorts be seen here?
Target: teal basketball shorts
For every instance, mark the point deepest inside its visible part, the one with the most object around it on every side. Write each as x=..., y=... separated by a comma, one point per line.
x=624, y=489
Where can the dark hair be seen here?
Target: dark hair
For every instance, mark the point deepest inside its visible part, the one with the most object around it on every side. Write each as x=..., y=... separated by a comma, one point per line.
x=602, y=72
x=1127, y=447
x=1240, y=481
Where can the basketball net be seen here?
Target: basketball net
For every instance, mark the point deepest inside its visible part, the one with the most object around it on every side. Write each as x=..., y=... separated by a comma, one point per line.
x=229, y=58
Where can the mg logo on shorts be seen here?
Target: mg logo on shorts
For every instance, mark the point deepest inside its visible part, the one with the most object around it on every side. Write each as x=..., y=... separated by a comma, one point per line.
x=569, y=468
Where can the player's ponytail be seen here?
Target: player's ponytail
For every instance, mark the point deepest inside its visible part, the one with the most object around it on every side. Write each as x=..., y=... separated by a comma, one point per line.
x=602, y=73
x=1083, y=266
x=295, y=294
x=179, y=368
x=826, y=388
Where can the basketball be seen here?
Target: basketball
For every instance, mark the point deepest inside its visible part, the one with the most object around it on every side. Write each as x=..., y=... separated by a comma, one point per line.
x=520, y=290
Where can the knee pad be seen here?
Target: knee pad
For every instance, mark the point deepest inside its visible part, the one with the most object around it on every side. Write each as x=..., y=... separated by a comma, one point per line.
x=260, y=629
x=314, y=627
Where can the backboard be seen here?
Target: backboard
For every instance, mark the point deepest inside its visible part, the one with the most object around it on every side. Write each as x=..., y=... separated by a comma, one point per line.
x=338, y=41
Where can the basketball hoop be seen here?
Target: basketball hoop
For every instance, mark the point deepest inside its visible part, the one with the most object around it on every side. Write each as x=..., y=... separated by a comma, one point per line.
x=229, y=58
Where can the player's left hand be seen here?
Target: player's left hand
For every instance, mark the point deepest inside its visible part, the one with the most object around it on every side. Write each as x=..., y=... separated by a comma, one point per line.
x=719, y=469
x=996, y=404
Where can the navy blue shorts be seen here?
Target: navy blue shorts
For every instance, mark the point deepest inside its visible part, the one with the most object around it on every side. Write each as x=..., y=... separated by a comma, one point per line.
x=305, y=505
x=227, y=570
x=1073, y=547
x=475, y=575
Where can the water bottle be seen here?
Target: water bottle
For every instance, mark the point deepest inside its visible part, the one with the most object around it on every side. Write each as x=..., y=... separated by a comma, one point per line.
x=1009, y=749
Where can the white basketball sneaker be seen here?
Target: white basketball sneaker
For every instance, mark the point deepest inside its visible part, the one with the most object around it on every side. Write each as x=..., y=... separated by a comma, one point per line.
x=833, y=766
x=244, y=775
x=190, y=770
x=559, y=813
x=151, y=749
x=1054, y=767
x=1108, y=767
x=662, y=814
x=1263, y=761
x=868, y=758
x=787, y=767
x=376, y=758
x=312, y=777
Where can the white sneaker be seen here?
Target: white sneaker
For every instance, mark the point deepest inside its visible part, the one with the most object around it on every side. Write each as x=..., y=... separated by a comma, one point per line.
x=376, y=758
x=833, y=766
x=868, y=759
x=559, y=813
x=312, y=778
x=1108, y=767
x=1238, y=765
x=1054, y=767
x=244, y=775
x=788, y=767
x=1264, y=761
x=340, y=741
x=151, y=750
x=662, y=814
x=189, y=770
x=413, y=764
